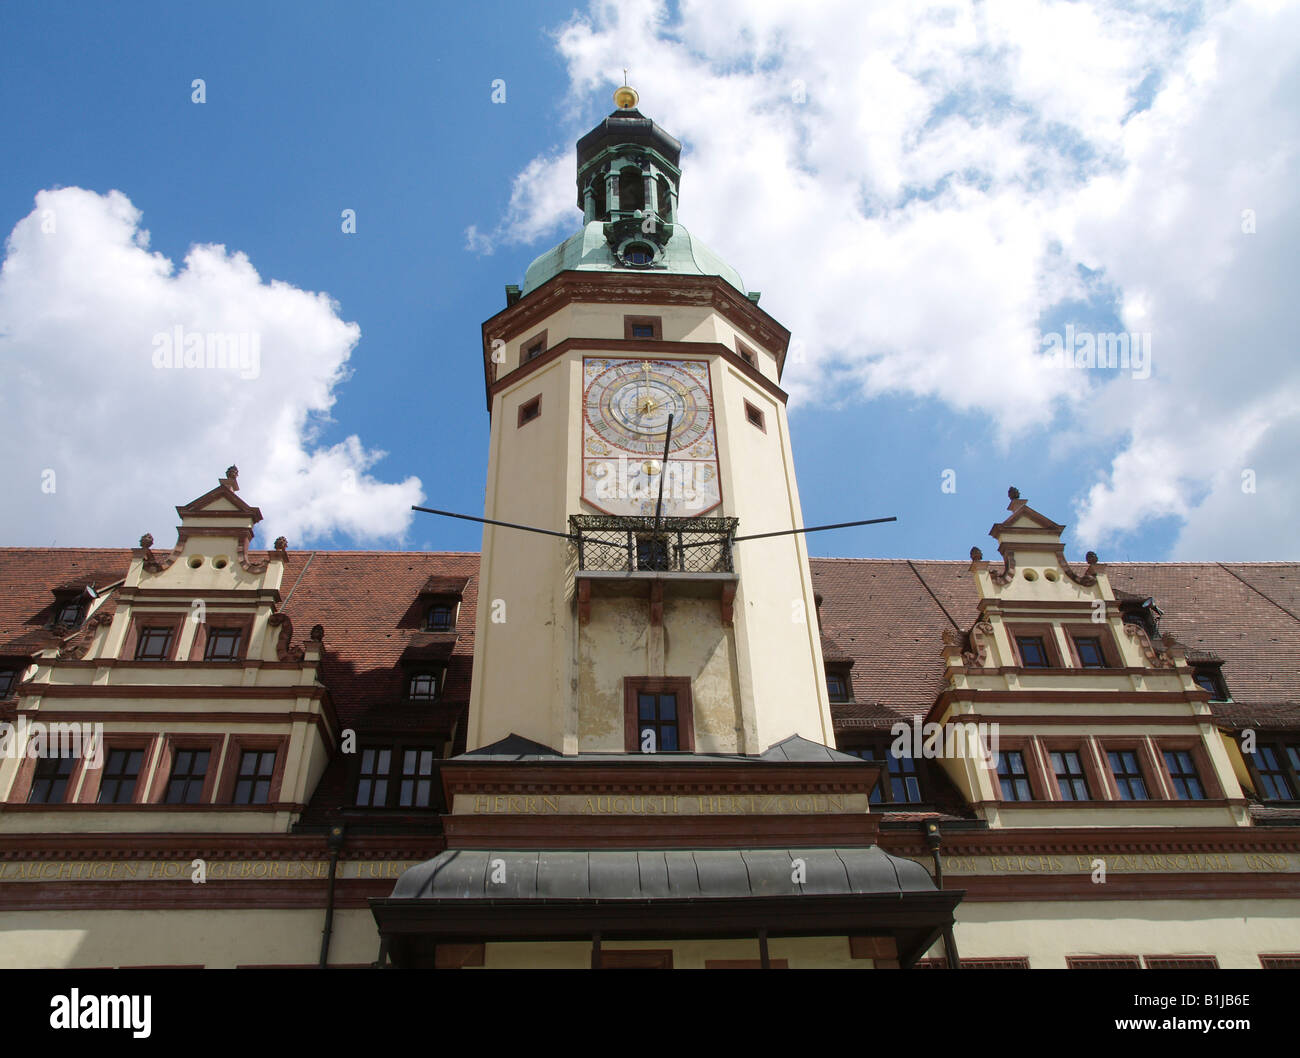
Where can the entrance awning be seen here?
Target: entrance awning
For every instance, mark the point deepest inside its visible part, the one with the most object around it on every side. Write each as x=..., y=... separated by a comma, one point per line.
x=483, y=895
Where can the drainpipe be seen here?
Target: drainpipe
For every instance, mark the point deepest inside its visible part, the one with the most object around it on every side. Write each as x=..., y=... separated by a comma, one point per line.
x=335, y=846
x=933, y=840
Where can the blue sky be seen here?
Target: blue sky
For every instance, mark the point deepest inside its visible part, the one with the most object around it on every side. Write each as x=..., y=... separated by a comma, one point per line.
x=387, y=109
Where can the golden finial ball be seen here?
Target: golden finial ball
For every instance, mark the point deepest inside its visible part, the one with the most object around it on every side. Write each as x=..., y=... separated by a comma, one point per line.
x=625, y=98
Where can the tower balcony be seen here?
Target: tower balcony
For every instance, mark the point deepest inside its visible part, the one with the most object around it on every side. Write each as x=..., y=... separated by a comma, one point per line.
x=641, y=555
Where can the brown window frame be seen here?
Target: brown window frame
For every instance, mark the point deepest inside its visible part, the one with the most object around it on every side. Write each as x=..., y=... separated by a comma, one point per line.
x=450, y=605
x=746, y=354
x=69, y=786
x=1146, y=768
x=173, y=744
x=1094, y=781
x=94, y=777
x=1046, y=633
x=414, y=674
x=63, y=602
x=844, y=673
x=1103, y=962
x=530, y=411
x=1027, y=748
x=1289, y=772
x=174, y=621
x=1180, y=962
x=242, y=623
x=883, y=792
x=1280, y=960
x=1101, y=632
x=1200, y=761
x=235, y=749
x=681, y=686
x=755, y=416
x=532, y=343
x=655, y=323
x=394, y=776
x=16, y=679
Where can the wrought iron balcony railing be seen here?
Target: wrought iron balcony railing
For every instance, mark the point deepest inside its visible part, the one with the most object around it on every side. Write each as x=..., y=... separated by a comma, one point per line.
x=619, y=543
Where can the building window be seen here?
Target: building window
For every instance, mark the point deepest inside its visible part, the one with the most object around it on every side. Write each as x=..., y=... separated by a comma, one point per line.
x=189, y=771
x=416, y=785
x=440, y=618
x=253, y=780
x=1182, y=770
x=372, y=783
x=1103, y=962
x=1070, y=779
x=1181, y=962
x=1129, y=780
x=755, y=417
x=533, y=348
x=121, y=772
x=1033, y=654
x=642, y=327
x=631, y=189
x=1280, y=961
x=223, y=644
x=837, y=686
x=1210, y=679
x=153, y=644
x=1013, y=777
x=1278, y=767
x=50, y=782
x=8, y=681
x=68, y=613
x=746, y=355
x=424, y=687
x=639, y=254
x=901, y=783
x=657, y=721
x=530, y=410
x=1090, y=653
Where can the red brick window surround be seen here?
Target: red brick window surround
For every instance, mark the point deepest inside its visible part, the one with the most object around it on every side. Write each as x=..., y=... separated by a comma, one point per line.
x=245, y=778
x=51, y=780
x=1015, y=765
x=187, y=771
x=530, y=410
x=658, y=712
x=642, y=328
x=1074, y=771
x=222, y=638
x=143, y=637
x=120, y=779
x=532, y=348
x=1188, y=769
x=1092, y=646
x=1130, y=772
x=1029, y=656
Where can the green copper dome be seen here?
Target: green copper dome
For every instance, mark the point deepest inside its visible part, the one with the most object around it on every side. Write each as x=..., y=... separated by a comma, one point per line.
x=589, y=251
x=628, y=183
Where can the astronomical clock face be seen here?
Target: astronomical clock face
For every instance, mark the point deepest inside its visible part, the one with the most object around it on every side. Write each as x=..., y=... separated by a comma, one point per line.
x=626, y=405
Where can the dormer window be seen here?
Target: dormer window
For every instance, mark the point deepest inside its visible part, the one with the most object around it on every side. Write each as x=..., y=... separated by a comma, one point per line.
x=8, y=681
x=424, y=687
x=440, y=618
x=837, y=685
x=68, y=612
x=1210, y=679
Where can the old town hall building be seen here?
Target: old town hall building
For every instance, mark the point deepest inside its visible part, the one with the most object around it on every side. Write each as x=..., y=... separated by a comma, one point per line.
x=643, y=728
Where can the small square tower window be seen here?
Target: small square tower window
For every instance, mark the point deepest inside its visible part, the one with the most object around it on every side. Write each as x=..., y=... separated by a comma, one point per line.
x=530, y=410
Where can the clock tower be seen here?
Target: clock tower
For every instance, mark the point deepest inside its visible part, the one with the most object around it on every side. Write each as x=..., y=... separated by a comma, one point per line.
x=637, y=416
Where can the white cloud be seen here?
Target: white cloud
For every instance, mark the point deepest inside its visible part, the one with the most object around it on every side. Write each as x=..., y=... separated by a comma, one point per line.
x=950, y=168
x=83, y=303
